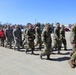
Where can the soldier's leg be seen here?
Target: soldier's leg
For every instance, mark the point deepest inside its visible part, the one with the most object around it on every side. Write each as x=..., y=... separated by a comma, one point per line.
x=28, y=46
x=10, y=43
x=55, y=45
x=43, y=53
x=72, y=60
x=2, y=42
x=48, y=54
x=65, y=44
x=32, y=47
x=48, y=50
x=36, y=43
x=40, y=45
x=19, y=44
x=59, y=46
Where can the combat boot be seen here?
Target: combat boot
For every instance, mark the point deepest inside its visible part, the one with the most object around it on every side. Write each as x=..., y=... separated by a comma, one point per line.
x=41, y=56
x=71, y=63
x=65, y=48
x=48, y=57
x=26, y=51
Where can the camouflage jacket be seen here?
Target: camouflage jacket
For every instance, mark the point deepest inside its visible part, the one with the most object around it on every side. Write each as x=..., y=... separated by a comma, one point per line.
x=73, y=35
x=62, y=33
x=57, y=33
x=37, y=32
x=46, y=36
x=30, y=34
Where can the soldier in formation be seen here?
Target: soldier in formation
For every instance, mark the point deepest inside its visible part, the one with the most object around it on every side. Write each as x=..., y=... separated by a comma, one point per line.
x=17, y=38
x=38, y=35
x=9, y=36
x=73, y=42
x=30, y=39
x=47, y=41
x=56, y=38
x=62, y=36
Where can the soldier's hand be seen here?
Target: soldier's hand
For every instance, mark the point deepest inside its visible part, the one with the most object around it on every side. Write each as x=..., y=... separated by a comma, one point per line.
x=71, y=53
x=16, y=38
x=6, y=39
x=63, y=37
x=74, y=45
x=30, y=39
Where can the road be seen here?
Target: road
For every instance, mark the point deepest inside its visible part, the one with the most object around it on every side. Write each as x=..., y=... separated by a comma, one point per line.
x=18, y=63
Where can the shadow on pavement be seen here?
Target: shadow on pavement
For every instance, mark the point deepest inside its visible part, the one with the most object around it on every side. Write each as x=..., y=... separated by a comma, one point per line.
x=60, y=59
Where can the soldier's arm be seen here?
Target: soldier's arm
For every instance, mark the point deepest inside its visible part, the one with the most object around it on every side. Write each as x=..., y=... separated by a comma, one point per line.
x=56, y=35
x=72, y=36
x=61, y=33
x=27, y=34
x=15, y=35
x=43, y=36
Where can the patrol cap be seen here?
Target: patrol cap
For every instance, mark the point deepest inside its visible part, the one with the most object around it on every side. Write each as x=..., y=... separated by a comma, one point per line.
x=47, y=24
x=38, y=24
x=58, y=23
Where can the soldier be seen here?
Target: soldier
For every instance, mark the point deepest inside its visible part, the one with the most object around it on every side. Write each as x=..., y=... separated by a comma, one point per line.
x=38, y=35
x=17, y=38
x=73, y=42
x=62, y=35
x=46, y=38
x=20, y=35
x=56, y=37
x=30, y=39
x=9, y=36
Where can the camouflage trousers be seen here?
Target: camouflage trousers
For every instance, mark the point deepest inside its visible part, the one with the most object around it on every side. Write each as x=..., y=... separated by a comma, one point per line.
x=47, y=50
x=30, y=44
x=2, y=42
x=63, y=41
x=57, y=44
x=38, y=42
x=73, y=56
x=9, y=42
x=17, y=44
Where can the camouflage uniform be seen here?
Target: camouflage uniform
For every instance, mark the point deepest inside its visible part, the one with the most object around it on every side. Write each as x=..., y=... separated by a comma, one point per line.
x=62, y=36
x=73, y=42
x=30, y=39
x=38, y=37
x=57, y=40
x=46, y=38
x=9, y=36
x=17, y=38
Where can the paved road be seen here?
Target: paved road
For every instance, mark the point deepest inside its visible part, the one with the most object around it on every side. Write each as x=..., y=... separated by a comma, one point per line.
x=18, y=63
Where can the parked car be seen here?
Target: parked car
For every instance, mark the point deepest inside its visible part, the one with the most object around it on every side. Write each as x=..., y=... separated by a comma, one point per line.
x=66, y=29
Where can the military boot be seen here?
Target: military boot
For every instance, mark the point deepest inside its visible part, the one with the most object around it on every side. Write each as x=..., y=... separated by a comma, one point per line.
x=26, y=51
x=41, y=56
x=48, y=57
x=71, y=63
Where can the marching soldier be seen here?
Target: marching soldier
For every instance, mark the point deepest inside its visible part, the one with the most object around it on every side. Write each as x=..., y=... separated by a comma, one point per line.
x=62, y=35
x=30, y=39
x=9, y=36
x=46, y=38
x=56, y=37
x=73, y=42
x=17, y=38
x=38, y=35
